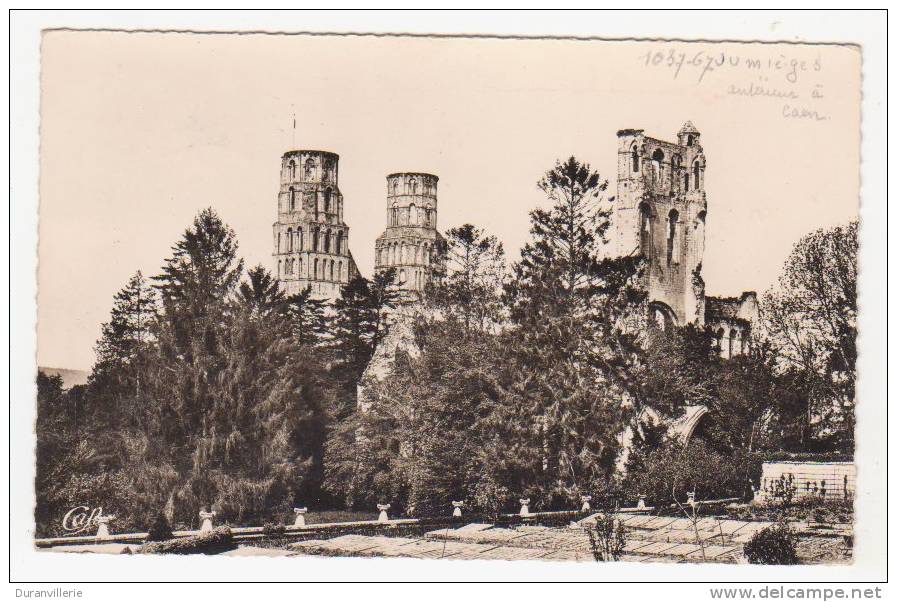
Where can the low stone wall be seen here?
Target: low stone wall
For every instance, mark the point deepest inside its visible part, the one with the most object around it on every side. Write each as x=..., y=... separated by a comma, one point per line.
x=825, y=480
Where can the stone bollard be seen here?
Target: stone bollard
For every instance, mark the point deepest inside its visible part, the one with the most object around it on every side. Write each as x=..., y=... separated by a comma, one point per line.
x=586, y=507
x=383, y=517
x=206, y=518
x=300, y=517
x=103, y=525
x=641, y=502
x=524, y=506
x=457, y=511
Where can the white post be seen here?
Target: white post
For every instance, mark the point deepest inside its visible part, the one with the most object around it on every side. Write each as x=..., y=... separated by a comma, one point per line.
x=691, y=499
x=641, y=502
x=524, y=506
x=383, y=517
x=457, y=511
x=300, y=517
x=103, y=525
x=586, y=507
x=206, y=518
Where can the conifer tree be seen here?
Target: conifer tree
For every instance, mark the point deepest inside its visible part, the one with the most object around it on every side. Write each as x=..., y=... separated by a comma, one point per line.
x=569, y=304
x=362, y=321
x=469, y=284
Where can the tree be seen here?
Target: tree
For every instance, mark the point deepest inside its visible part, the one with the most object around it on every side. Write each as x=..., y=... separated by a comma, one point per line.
x=810, y=315
x=114, y=385
x=261, y=294
x=309, y=320
x=468, y=287
x=570, y=305
x=361, y=323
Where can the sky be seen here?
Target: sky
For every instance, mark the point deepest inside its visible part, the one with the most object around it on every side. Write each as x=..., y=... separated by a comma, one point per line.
x=141, y=131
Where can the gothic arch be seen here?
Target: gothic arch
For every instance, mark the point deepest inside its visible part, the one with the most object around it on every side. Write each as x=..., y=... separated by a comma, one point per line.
x=686, y=426
x=662, y=315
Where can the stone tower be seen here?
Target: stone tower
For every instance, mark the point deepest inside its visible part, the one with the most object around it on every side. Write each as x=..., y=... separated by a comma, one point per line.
x=660, y=211
x=311, y=240
x=410, y=242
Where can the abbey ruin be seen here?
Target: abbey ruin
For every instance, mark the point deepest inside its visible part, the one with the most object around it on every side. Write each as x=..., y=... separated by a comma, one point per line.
x=660, y=211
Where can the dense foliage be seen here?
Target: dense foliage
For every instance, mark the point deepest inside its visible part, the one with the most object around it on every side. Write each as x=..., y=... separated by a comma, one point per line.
x=773, y=545
x=542, y=379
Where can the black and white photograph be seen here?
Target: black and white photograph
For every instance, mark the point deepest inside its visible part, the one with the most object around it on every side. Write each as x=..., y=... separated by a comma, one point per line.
x=313, y=297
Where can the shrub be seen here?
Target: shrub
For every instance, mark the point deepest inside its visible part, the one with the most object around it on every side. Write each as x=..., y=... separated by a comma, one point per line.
x=160, y=530
x=217, y=540
x=273, y=529
x=676, y=468
x=773, y=545
x=607, y=538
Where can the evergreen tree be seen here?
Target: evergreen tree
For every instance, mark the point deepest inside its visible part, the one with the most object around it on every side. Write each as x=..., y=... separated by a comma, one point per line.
x=310, y=321
x=570, y=307
x=114, y=385
x=261, y=294
x=361, y=322
x=469, y=284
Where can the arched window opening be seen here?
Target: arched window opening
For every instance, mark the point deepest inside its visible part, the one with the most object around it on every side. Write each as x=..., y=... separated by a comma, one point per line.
x=720, y=334
x=339, y=272
x=646, y=242
x=279, y=248
x=291, y=170
x=279, y=268
x=339, y=243
x=675, y=168
x=328, y=170
x=662, y=316
x=327, y=194
x=290, y=240
x=316, y=268
x=686, y=181
x=733, y=334
x=657, y=165
x=314, y=242
x=633, y=153
x=697, y=175
x=412, y=186
x=292, y=199
x=309, y=169
x=299, y=239
x=395, y=187
x=331, y=269
x=299, y=271
x=690, y=140
x=412, y=214
x=672, y=238
x=327, y=241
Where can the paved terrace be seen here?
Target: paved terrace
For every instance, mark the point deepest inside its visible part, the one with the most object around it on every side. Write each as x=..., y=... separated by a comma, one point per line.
x=648, y=539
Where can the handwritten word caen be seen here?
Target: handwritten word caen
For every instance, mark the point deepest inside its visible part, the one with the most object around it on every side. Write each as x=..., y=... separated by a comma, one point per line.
x=793, y=112
x=704, y=62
